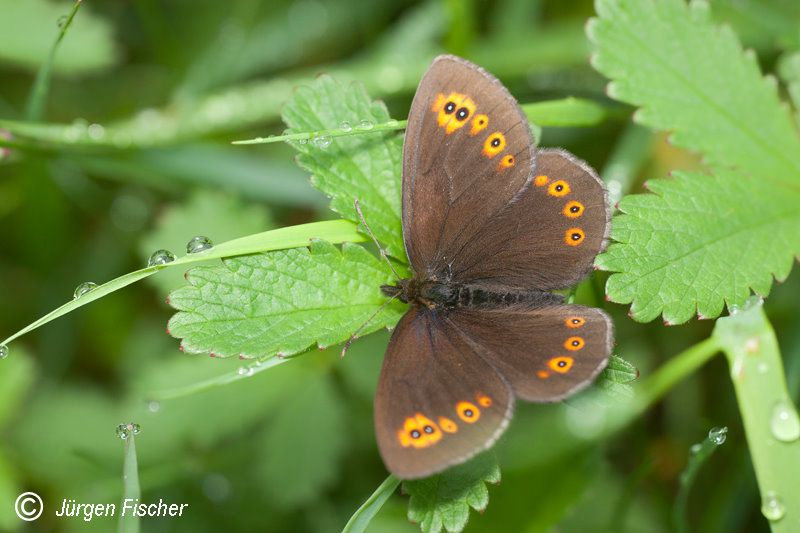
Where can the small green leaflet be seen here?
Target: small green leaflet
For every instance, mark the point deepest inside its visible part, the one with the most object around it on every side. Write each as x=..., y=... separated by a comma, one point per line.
x=282, y=302
x=699, y=242
x=443, y=501
x=364, y=167
x=617, y=376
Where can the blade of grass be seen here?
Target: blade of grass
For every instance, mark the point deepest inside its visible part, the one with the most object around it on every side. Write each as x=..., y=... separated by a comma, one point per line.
x=700, y=453
x=364, y=514
x=129, y=521
x=770, y=418
x=41, y=85
x=334, y=231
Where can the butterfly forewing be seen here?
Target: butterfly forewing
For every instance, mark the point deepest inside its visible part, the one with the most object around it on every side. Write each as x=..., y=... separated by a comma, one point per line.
x=548, y=237
x=545, y=353
x=468, y=151
x=438, y=402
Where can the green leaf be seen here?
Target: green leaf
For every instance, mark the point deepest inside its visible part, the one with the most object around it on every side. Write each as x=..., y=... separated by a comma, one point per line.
x=216, y=215
x=699, y=242
x=27, y=30
x=443, y=501
x=304, y=443
x=691, y=78
x=365, y=167
x=617, y=376
x=283, y=302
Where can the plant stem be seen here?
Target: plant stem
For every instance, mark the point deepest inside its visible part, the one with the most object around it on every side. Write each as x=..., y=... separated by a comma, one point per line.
x=362, y=517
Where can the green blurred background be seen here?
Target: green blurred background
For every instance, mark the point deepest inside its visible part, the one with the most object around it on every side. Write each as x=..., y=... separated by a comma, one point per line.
x=292, y=449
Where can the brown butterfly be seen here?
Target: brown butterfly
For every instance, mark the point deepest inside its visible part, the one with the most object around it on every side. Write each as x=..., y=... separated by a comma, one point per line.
x=491, y=225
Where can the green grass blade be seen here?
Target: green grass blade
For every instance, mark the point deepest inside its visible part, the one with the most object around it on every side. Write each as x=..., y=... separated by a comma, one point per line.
x=335, y=231
x=770, y=418
x=700, y=453
x=41, y=85
x=128, y=521
x=362, y=517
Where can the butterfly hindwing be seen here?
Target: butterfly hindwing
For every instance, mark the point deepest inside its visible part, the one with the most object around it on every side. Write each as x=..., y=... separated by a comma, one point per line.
x=468, y=151
x=548, y=237
x=438, y=402
x=545, y=353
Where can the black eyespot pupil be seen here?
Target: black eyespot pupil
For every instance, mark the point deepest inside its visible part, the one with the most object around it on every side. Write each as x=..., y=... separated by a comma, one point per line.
x=462, y=113
x=449, y=107
x=495, y=142
x=576, y=236
x=428, y=429
x=416, y=434
x=562, y=364
x=574, y=209
x=468, y=413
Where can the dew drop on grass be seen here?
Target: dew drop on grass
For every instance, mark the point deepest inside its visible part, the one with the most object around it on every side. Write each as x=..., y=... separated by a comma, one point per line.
x=718, y=435
x=695, y=448
x=3, y=351
x=785, y=424
x=198, y=244
x=365, y=125
x=246, y=371
x=153, y=406
x=345, y=126
x=126, y=430
x=160, y=257
x=323, y=141
x=96, y=132
x=772, y=507
x=83, y=288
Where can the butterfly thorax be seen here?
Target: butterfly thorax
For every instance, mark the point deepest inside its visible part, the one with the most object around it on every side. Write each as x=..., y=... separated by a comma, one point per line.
x=448, y=295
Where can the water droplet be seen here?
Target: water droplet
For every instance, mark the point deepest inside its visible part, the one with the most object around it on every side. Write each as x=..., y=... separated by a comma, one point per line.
x=122, y=431
x=695, y=448
x=323, y=141
x=198, y=244
x=718, y=435
x=785, y=424
x=136, y=428
x=365, y=125
x=3, y=351
x=96, y=132
x=772, y=507
x=302, y=141
x=246, y=371
x=153, y=406
x=345, y=126
x=160, y=257
x=83, y=288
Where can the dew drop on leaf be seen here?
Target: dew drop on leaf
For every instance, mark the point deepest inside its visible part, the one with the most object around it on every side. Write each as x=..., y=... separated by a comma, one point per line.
x=365, y=125
x=345, y=126
x=198, y=244
x=323, y=141
x=718, y=435
x=772, y=507
x=246, y=371
x=785, y=424
x=160, y=257
x=83, y=288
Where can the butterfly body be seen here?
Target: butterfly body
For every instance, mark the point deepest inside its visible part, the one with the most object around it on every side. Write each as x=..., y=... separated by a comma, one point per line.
x=491, y=227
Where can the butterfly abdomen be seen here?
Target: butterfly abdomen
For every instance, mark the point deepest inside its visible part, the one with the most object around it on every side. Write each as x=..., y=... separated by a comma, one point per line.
x=479, y=297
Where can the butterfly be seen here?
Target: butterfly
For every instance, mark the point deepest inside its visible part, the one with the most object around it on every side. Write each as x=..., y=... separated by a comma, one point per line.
x=491, y=226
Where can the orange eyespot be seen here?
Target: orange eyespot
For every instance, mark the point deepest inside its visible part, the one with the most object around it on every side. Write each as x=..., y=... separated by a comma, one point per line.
x=540, y=180
x=494, y=144
x=468, y=412
x=479, y=123
x=558, y=188
x=574, y=344
x=573, y=209
x=574, y=236
x=447, y=425
x=560, y=364
x=506, y=162
x=575, y=322
x=484, y=400
x=543, y=374
x=452, y=110
x=419, y=431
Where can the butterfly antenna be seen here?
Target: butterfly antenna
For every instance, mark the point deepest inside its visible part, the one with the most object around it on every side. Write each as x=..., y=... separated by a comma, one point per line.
x=354, y=336
x=374, y=239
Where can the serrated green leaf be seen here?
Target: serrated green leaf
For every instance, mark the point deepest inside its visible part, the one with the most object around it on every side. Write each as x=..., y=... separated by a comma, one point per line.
x=303, y=444
x=699, y=242
x=443, y=501
x=218, y=216
x=691, y=78
x=282, y=302
x=616, y=377
x=363, y=167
